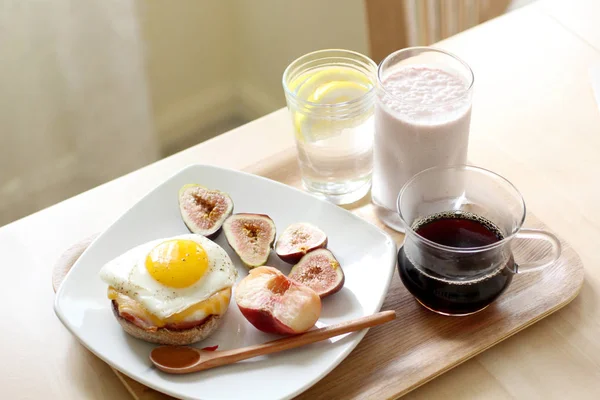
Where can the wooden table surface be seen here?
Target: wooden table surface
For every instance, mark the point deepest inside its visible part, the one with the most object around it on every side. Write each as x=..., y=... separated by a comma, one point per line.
x=534, y=121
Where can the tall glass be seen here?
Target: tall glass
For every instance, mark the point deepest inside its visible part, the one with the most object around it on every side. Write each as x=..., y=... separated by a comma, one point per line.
x=330, y=95
x=422, y=118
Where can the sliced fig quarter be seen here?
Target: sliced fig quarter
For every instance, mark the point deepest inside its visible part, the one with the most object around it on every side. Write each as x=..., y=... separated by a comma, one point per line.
x=299, y=239
x=320, y=271
x=251, y=236
x=203, y=210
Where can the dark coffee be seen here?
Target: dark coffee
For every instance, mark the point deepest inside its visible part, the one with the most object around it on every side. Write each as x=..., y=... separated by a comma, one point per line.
x=473, y=291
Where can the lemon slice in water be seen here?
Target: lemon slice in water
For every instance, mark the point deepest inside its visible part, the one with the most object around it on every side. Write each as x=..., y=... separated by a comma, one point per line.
x=337, y=92
x=310, y=81
x=332, y=85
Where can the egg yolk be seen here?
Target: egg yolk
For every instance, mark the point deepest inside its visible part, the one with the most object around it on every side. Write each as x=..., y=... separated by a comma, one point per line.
x=177, y=263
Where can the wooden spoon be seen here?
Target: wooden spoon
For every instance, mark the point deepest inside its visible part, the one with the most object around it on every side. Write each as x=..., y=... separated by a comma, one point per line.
x=185, y=359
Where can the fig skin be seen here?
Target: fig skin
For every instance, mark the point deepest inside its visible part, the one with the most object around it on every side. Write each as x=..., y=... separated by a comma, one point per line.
x=291, y=248
x=320, y=271
x=255, y=256
x=213, y=231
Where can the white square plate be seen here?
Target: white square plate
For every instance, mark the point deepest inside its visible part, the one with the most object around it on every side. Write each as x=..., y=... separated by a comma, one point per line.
x=366, y=253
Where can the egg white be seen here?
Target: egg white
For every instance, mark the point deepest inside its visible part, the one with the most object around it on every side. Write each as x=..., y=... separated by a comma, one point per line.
x=128, y=275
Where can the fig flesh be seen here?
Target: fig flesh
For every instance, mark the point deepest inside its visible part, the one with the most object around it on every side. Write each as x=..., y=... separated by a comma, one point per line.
x=251, y=236
x=320, y=271
x=203, y=210
x=299, y=239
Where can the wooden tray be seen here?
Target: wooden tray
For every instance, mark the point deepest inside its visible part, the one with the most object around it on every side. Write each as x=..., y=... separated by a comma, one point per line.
x=420, y=345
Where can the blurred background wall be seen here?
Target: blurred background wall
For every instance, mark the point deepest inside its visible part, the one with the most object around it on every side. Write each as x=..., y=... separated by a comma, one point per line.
x=213, y=65
x=189, y=48
x=74, y=103
x=272, y=33
x=92, y=90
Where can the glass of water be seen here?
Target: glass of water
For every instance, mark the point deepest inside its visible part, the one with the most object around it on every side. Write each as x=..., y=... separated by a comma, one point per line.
x=330, y=95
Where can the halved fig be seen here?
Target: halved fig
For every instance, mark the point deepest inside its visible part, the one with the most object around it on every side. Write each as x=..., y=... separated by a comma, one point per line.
x=251, y=236
x=203, y=210
x=320, y=271
x=297, y=240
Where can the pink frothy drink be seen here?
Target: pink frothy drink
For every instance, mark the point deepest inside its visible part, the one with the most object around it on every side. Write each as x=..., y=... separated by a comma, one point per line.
x=422, y=119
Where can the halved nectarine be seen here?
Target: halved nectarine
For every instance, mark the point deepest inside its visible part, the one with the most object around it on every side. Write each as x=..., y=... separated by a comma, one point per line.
x=274, y=303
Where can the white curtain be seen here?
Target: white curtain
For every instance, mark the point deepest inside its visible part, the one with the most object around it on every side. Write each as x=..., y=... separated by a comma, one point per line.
x=74, y=105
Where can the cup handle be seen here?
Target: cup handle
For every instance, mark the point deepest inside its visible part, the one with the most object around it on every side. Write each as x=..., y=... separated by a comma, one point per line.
x=536, y=234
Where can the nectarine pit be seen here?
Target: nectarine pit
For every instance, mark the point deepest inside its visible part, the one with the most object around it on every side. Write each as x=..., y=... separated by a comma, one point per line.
x=279, y=284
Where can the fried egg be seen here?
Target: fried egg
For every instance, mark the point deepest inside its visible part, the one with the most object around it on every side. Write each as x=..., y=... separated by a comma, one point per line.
x=168, y=276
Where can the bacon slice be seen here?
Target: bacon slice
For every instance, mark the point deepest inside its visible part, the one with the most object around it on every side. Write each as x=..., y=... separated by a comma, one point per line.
x=132, y=311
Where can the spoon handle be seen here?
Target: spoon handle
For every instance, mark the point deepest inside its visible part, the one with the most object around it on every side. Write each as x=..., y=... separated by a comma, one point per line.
x=232, y=356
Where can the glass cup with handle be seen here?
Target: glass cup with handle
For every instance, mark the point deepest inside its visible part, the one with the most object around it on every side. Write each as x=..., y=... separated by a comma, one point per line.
x=464, y=238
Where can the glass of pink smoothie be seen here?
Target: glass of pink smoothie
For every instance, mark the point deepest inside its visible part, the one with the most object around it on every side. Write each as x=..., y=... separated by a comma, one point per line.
x=422, y=118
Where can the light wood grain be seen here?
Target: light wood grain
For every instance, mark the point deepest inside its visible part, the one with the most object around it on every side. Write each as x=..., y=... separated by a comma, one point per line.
x=534, y=120
x=421, y=345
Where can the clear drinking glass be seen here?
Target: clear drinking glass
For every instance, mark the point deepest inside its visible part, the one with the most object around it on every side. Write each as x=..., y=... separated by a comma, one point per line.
x=330, y=95
x=422, y=118
x=473, y=205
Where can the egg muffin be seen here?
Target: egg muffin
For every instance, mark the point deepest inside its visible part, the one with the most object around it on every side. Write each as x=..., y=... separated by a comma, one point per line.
x=171, y=291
